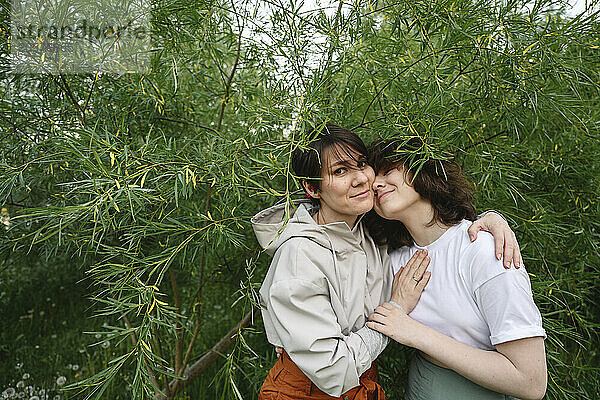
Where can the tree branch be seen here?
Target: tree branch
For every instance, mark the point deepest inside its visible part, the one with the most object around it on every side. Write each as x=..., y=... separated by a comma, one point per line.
x=230, y=78
x=330, y=51
x=67, y=90
x=210, y=356
x=485, y=140
x=403, y=70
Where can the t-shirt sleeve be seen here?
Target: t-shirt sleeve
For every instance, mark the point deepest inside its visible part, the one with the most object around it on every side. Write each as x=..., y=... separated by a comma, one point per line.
x=504, y=297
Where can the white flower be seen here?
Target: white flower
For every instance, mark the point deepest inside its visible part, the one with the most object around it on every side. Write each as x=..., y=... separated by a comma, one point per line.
x=10, y=392
x=105, y=344
x=5, y=218
x=57, y=397
x=61, y=380
x=75, y=367
x=19, y=365
x=20, y=385
x=25, y=375
x=97, y=336
x=34, y=398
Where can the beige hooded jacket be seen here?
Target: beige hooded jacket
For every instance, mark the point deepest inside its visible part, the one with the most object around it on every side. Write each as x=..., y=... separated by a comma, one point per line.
x=323, y=283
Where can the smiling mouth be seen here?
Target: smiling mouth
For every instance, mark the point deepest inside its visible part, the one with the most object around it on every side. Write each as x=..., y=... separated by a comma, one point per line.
x=382, y=195
x=362, y=194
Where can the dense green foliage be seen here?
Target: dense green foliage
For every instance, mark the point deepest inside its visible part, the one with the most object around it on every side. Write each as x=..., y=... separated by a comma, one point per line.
x=129, y=197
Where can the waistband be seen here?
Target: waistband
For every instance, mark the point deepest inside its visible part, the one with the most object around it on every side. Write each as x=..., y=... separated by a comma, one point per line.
x=368, y=388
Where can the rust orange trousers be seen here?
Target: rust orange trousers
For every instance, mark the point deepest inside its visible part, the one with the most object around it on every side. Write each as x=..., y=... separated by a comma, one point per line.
x=287, y=382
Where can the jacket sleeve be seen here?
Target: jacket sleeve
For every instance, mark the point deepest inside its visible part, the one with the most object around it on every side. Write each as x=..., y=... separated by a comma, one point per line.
x=303, y=318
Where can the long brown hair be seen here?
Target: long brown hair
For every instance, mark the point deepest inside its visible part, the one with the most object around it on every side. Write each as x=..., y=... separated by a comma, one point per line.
x=440, y=181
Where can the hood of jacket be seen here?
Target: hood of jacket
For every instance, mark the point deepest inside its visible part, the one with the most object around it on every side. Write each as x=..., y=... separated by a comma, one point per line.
x=273, y=228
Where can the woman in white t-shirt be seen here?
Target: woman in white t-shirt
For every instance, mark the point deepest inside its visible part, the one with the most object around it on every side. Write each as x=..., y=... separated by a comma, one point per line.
x=476, y=326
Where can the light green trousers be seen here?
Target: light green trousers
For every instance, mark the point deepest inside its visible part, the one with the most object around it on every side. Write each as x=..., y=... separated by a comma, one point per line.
x=427, y=381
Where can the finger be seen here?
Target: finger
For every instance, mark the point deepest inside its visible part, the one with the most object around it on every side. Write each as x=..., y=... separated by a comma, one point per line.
x=382, y=310
x=499, y=243
x=398, y=276
x=421, y=268
x=473, y=229
x=388, y=306
x=404, y=276
x=415, y=257
x=416, y=261
x=423, y=282
x=399, y=272
x=378, y=318
x=509, y=247
x=517, y=254
x=376, y=327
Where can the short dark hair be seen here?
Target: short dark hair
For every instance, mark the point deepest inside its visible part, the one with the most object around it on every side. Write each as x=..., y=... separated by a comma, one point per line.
x=440, y=181
x=307, y=162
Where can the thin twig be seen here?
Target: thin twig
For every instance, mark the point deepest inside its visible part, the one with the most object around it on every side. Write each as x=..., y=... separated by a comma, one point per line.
x=90, y=93
x=403, y=70
x=178, y=328
x=210, y=356
x=487, y=139
x=230, y=78
x=134, y=343
x=188, y=122
x=67, y=90
x=331, y=47
x=160, y=354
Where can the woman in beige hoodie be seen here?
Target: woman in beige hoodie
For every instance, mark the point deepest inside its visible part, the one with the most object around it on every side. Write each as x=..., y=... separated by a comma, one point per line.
x=327, y=276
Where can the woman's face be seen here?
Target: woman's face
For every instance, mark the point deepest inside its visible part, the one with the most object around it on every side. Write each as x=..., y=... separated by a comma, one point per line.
x=393, y=193
x=346, y=189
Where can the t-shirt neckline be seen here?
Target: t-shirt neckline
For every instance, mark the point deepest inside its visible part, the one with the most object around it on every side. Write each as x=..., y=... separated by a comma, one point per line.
x=442, y=240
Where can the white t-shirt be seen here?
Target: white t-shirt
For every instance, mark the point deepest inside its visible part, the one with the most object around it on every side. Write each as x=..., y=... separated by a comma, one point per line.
x=470, y=296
